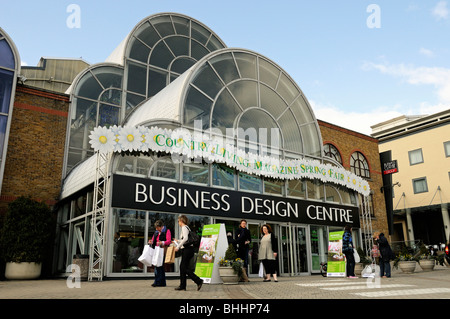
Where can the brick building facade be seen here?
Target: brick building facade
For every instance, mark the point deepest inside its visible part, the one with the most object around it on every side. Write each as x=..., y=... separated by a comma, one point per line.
x=36, y=146
x=348, y=142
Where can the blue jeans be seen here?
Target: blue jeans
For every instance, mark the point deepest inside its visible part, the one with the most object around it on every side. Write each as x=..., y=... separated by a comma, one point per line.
x=385, y=268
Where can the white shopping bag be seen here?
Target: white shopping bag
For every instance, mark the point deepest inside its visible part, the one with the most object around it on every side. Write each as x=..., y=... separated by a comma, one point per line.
x=261, y=270
x=158, y=257
x=356, y=256
x=147, y=255
x=371, y=271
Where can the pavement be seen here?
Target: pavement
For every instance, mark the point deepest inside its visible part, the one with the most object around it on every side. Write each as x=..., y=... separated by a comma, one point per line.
x=420, y=285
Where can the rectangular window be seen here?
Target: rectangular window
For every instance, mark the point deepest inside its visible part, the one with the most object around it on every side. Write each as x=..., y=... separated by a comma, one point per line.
x=415, y=157
x=447, y=148
x=420, y=185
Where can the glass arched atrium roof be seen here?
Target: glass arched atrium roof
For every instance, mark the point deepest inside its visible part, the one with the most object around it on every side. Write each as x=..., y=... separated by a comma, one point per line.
x=234, y=91
x=156, y=52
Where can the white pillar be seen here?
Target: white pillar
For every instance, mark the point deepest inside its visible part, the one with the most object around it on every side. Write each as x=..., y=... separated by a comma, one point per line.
x=446, y=220
x=409, y=225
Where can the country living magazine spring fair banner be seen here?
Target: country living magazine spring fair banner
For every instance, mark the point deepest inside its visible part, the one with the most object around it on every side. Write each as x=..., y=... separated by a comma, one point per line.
x=181, y=144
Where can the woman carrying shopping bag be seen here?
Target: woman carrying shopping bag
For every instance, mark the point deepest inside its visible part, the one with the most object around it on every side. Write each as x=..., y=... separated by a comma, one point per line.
x=187, y=253
x=162, y=238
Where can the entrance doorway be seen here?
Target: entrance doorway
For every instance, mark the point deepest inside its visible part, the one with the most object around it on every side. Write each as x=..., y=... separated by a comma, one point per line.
x=294, y=250
x=293, y=246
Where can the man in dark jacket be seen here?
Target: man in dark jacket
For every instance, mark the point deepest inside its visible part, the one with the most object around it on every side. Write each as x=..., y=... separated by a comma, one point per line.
x=386, y=255
x=242, y=241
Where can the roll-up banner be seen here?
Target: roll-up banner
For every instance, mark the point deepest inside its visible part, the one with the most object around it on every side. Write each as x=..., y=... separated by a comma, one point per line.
x=336, y=259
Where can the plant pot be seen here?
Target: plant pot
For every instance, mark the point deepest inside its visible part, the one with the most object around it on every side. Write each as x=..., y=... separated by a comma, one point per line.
x=427, y=264
x=407, y=266
x=23, y=270
x=229, y=277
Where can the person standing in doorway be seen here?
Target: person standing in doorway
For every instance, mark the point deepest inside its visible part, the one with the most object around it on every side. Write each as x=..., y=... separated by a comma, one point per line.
x=347, y=249
x=242, y=242
x=161, y=238
x=268, y=250
x=187, y=253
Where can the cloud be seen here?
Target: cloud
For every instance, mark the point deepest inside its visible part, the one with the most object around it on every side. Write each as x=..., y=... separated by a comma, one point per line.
x=440, y=11
x=426, y=52
x=436, y=76
x=355, y=121
x=362, y=121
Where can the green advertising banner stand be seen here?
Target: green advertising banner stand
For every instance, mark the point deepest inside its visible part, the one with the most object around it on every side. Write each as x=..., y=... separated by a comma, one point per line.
x=336, y=259
x=213, y=245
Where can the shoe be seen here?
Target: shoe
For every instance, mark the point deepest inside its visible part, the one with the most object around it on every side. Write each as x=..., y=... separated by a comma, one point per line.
x=199, y=286
x=276, y=280
x=179, y=288
x=352, y=277
x=266, y=280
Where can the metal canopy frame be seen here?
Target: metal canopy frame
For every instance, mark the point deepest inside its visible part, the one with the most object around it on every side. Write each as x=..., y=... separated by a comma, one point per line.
x=97, y=248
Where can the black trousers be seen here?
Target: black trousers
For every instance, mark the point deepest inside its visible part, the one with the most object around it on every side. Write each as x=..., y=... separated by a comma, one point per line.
x=270, y=266
x=350, y=263
x=186, y=255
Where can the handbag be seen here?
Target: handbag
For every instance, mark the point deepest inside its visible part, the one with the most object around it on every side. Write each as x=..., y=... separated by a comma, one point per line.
x=356, y=256
x=147, y=255
x=170, y=255
x=158, y=257
x=193, y=239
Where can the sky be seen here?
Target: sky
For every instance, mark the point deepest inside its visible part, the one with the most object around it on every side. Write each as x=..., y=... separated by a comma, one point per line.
x=358, y=63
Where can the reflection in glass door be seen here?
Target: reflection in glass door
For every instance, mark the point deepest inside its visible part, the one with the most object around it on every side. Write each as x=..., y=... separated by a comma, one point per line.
x=294, y=250
x=300, y=249
x=319, y=246
x=253, y=263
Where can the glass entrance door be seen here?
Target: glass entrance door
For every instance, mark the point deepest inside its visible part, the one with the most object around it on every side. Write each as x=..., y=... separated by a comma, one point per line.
x=319, y=246
x=253, y=263
x=294, y=250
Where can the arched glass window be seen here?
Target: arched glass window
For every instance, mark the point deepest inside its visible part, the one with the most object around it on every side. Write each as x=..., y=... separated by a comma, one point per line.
x=237, y=89
x=359, y=165
x=158, y=50
x=96, y=101
x=9, y=68
x=331, y=151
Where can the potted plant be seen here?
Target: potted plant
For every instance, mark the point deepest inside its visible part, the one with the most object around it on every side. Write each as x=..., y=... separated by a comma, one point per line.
x=230, y=267
x=406, y=261
x=26, y=238
x=426, y=260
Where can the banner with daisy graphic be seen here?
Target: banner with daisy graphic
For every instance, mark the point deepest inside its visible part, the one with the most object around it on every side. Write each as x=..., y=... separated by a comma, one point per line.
x=183, y=144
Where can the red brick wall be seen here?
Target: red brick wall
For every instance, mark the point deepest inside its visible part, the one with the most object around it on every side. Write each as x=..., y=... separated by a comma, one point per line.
x=35, y=152
x=348, y=142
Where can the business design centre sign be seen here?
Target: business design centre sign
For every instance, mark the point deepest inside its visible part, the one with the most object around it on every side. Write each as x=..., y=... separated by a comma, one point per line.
x=156, y=195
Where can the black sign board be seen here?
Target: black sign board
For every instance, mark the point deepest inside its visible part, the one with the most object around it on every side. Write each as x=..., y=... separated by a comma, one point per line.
x=155, y=195
x=390, y=167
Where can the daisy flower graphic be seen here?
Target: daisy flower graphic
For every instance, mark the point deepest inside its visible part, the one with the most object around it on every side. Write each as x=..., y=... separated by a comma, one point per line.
x=130, y=138
x=144, y=133
x=116, y=131
x=102, y=139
